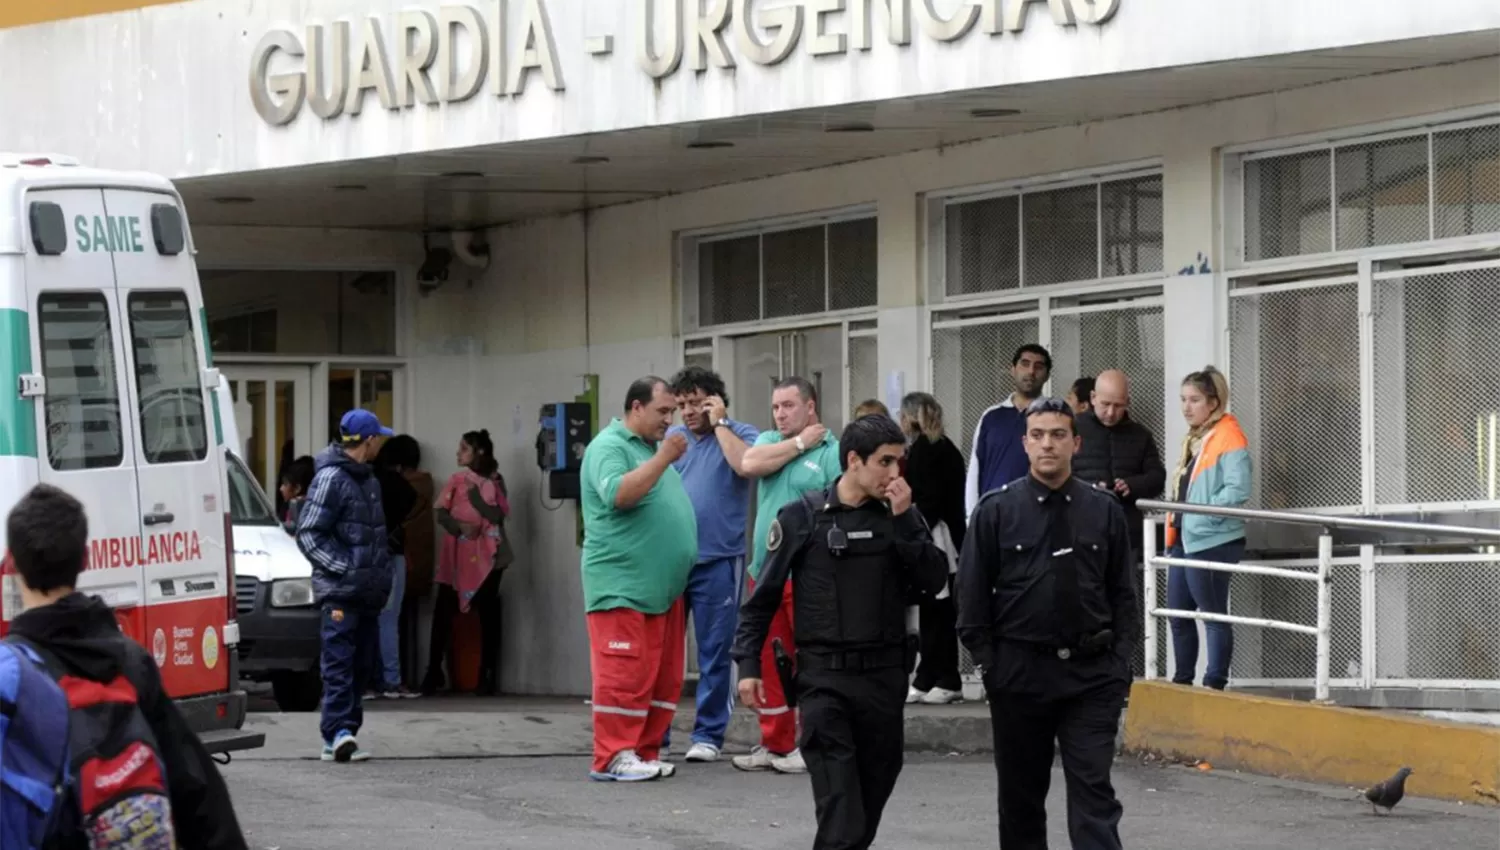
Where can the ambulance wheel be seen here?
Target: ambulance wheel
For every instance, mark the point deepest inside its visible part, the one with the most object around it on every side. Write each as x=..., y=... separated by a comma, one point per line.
x=297, y=691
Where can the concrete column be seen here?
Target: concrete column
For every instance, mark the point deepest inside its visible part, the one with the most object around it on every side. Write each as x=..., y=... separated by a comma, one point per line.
x=901, y=252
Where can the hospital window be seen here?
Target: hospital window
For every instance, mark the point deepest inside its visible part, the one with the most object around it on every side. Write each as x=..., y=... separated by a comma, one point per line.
x=168, y=377
x=1441, y=183
x=82, y=407
x=1067, y=234
x=787, y=272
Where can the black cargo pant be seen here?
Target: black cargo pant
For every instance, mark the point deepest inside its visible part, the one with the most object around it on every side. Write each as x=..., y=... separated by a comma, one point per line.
x=1083, y=726
x=852, y=741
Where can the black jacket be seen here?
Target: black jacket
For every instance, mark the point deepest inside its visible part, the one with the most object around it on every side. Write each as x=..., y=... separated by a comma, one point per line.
x=936, y=473
x=82, y=633
x=1128, y=451
x=1014, y=587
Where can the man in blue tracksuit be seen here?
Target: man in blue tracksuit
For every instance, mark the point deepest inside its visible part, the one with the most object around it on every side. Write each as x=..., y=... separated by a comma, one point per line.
x=721, y=496
x=998, y=456
x=341, y=530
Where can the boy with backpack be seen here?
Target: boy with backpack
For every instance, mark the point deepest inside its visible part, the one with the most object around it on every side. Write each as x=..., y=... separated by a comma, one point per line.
x=133, y=774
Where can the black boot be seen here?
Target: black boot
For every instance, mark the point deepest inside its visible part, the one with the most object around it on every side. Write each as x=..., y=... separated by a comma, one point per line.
x=433, y=681
x=488, y=683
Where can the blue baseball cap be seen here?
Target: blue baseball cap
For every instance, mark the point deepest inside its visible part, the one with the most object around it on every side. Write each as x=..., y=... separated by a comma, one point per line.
x=359, y=425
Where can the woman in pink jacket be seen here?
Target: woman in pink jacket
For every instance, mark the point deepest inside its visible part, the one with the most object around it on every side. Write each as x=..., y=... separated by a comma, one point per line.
x=472, y=554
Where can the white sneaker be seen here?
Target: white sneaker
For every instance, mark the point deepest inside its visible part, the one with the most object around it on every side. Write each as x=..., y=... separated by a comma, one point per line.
x=700, y=752
x=790, y=763
x=664, y=768
x=759, y=759
x=626, y=766
x=914, y=695
x=942, y=696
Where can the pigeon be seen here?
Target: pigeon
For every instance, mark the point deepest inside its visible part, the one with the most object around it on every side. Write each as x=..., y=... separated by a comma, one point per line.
x=1385, y=795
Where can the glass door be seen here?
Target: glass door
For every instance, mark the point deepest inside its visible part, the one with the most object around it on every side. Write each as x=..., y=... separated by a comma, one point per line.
x=274, y=415
x=760, y=361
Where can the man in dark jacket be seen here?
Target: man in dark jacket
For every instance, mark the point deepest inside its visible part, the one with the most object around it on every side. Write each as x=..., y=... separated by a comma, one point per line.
x=47, y=533
x=1118, y=453
x=342, y=532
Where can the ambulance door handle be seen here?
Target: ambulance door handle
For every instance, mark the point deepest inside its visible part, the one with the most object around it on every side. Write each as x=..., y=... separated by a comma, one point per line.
x=158, y=518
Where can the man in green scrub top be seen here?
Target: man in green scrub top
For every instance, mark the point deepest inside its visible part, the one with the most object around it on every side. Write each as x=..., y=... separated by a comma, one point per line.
x=798, y=456
x=640, y=542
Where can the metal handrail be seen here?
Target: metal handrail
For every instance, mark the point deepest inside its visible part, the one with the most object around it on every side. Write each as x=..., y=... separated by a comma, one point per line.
x=1324, y=520
x=1323, y=629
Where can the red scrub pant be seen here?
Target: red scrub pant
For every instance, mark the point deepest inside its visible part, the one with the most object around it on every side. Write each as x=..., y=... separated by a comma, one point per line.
x=638, y=665
x=778, y=721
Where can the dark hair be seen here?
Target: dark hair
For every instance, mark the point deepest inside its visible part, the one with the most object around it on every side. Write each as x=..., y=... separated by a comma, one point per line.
x=698, y=378
x=1032, y=348
x=400, y=451
x=299, y=473
x=641, y=390
x=803, y=386
x=1051, y=405
x=865, y=435
x=1083, y=388
x=484, y=452
x=48, y=535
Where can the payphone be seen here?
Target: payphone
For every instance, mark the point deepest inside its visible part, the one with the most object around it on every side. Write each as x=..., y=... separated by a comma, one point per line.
x=564, y=434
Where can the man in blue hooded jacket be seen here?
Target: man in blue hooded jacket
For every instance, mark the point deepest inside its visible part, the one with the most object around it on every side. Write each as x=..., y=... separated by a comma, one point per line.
x=341, y=530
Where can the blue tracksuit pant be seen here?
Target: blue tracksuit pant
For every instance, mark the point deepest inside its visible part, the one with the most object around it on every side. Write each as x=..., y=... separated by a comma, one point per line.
x=712, y=598
x=351, y=645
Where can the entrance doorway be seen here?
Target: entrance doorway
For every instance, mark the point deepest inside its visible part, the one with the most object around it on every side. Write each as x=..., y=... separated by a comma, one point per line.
x=760, y=361
x=274, y=413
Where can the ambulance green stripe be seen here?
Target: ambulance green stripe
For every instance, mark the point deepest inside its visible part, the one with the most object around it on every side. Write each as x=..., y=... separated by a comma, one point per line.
x=18, y=416
x=208, y=348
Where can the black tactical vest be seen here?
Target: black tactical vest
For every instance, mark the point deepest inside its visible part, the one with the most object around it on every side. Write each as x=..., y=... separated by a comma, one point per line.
x=855, y=600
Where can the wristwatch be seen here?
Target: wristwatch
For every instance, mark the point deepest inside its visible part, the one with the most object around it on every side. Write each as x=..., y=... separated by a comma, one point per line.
x=722, y=423
x=801, y=446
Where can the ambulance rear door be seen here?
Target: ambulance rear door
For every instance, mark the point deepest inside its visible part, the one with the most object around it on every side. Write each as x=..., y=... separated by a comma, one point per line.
x=179, y=470
x=85, y=422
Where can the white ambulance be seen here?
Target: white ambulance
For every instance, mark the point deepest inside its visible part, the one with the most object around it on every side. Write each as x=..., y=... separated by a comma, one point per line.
x=106, y=390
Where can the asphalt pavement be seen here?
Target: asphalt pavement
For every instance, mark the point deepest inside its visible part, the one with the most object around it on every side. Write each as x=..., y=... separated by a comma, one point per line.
x=528, y=787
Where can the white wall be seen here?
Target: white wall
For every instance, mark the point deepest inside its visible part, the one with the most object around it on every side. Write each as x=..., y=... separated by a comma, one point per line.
x=489, y=355
x=176, y=77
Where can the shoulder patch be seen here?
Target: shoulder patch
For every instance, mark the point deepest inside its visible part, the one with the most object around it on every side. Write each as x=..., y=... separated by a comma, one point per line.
x=773, y=536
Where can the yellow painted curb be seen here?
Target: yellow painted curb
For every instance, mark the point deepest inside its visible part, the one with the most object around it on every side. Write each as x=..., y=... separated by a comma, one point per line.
x=1314, y=743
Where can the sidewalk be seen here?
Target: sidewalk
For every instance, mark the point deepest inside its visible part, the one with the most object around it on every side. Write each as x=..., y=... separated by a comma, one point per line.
x=535, y=727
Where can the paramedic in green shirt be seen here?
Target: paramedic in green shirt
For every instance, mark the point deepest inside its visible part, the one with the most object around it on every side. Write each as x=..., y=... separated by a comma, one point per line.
x=798, y=456
x=640, y=542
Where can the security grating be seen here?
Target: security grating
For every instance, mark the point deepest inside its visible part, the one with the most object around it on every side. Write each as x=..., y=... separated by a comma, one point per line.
x=1127, y=338
x=1075, y=233
x=1436, y=619
x=1362, y=194
x=864, y=369
x=788, y=272
x=971, y=372
x=852, y=249
x=1294, y=386
x=1437, y=382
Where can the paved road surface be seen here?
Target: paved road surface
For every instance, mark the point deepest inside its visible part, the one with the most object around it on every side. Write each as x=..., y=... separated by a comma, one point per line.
x=295, y=803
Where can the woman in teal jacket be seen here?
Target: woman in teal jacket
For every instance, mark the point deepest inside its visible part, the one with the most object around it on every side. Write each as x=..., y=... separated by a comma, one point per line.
x=1213, y=469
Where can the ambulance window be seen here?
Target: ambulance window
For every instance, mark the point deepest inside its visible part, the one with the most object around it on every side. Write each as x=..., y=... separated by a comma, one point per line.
x=248, y=504
x=166, y=369
x=82, y=406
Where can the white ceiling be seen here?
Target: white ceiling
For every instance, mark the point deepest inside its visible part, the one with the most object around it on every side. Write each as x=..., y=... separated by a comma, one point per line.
x=465, y=189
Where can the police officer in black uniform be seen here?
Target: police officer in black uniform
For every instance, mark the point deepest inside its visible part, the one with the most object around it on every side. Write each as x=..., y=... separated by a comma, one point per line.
x=1047, y=608
x=857, y=553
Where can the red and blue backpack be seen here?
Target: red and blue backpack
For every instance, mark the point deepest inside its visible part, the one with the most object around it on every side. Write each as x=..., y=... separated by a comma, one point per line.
x=81, y=767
